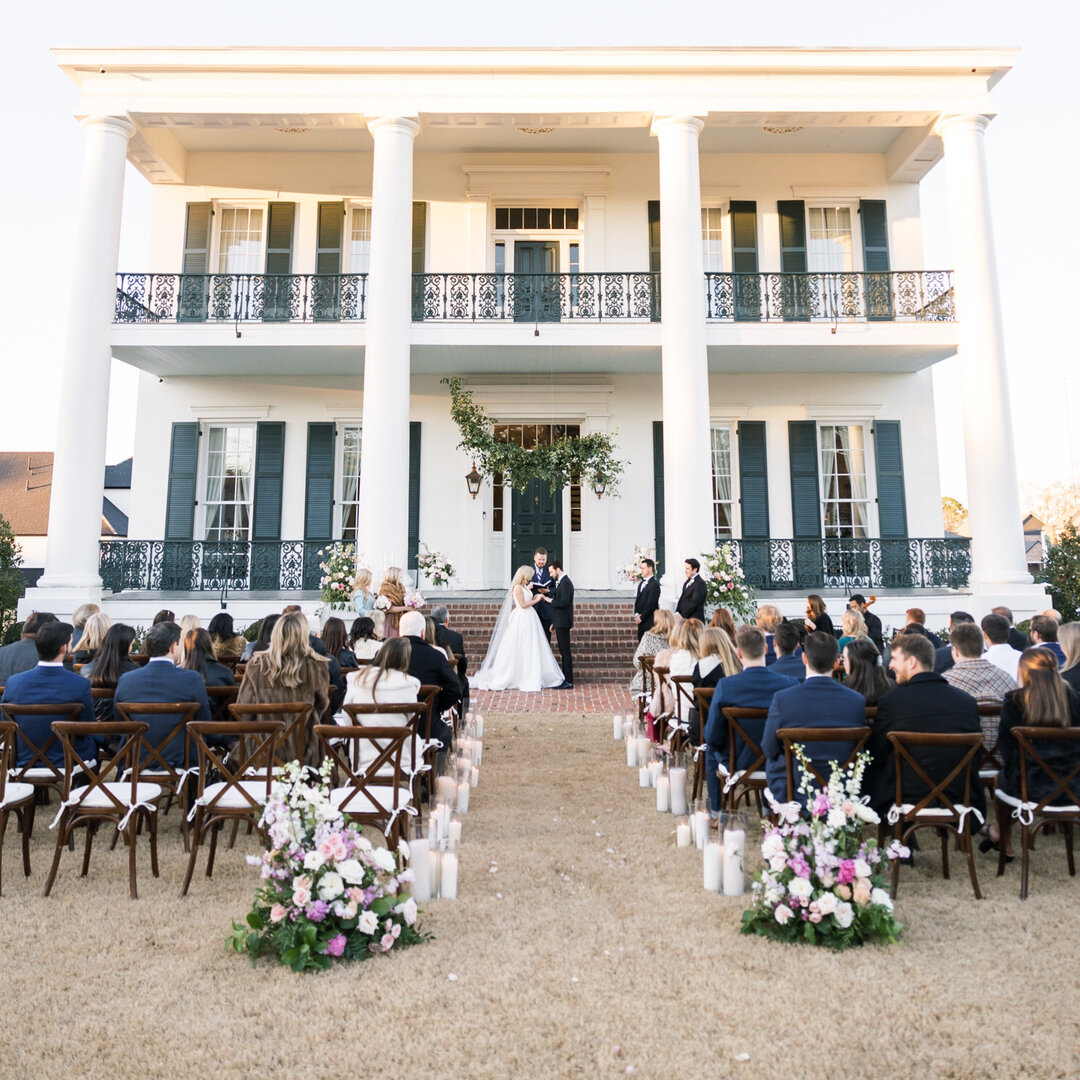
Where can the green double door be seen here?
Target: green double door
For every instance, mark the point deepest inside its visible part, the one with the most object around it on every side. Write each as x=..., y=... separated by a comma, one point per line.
x=536, y=281
x=535, y=521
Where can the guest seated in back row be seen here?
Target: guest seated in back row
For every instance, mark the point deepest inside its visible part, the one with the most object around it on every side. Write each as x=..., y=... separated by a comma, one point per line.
x=364, y=643
x=1044, y=635
x=22, y=655
x=337, y=680
x=817, y=618
x=93, y=636
x=916, y=624
x=199, y=657
x=943, y=657
x=112, y=661
x=970, y=671
x=786, y=647
x=863, y=672
x=262, y=639
x=768, y=619
x=228, y=645
x=430, y=666
x=652, y=642
x=335, y=644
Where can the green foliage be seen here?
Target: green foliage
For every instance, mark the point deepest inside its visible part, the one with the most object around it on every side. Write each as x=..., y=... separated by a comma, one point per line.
x=12, y=583
x=584, y=459
x=251, y=633
x=1062, y=572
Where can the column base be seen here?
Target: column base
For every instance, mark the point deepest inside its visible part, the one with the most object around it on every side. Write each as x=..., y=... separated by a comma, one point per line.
x=1023, y=600
x=61, y=598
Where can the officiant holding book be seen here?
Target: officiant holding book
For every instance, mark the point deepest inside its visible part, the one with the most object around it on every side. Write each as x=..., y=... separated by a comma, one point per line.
x=541, y=585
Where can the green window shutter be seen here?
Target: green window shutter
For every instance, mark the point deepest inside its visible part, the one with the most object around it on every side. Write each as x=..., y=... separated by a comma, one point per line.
x=654, y=252
x=892, y=506
x=183, y=470
x=194, y=290
x=277, y=288
x=269, y=469
x=326, y=288
x=795, y=289
x=319, y=488
x=658, y=493
x=753, y=480
x=744, y=260
x=414, y=492
x=875, y=235
x=419, y=240
x=805, y=494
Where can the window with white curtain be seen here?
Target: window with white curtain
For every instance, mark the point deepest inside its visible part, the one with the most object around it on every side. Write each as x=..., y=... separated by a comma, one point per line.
x=829, y=243
x=721, y=482
x=349, y=490
x=711, y=239
x=230, y=462
x=845, y=500
x=360, y=239
x=240, y=240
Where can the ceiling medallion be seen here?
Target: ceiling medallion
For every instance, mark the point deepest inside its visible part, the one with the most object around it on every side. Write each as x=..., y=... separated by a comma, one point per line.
x=536, y=131
x=770, y=130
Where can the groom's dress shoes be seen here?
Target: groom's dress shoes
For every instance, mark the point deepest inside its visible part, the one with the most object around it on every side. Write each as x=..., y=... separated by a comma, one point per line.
x=564, y=685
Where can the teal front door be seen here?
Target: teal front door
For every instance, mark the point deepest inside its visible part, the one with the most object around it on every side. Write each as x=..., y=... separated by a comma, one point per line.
x=536, y=281
x=535, y=521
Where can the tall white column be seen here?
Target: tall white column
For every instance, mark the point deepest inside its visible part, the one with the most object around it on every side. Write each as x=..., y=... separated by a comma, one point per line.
x=997, y=537
x=78, y=480
x=688, y=525
x=383, y=531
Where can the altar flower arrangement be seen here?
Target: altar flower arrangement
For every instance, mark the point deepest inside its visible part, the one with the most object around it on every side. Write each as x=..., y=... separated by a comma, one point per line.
x=435, y=566
x=326, y=892
x=822, y=881
x=631, y=569
x=339, y=572
x=414, y=598
x=726, y=585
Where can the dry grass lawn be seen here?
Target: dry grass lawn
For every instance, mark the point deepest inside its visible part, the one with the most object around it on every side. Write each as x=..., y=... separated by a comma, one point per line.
x=582, y=945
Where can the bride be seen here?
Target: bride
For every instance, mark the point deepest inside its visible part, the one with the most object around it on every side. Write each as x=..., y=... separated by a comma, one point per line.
x=519, y=656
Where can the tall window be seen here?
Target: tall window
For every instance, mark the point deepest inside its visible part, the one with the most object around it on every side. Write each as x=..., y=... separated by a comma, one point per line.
x=240, y=240
x=845, y=503
x=829, y=242
x=721, y=483
x=349, y=491
x=710, y=238
x=360, y=239
x=230, y=461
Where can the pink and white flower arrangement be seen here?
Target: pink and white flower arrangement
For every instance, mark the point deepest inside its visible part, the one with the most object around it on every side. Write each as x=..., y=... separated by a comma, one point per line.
x=414, y=598
x=822, y=883
x=435, y=566
x=631, y=569
x=726, y=585
x=326, y=891
x=339, y=573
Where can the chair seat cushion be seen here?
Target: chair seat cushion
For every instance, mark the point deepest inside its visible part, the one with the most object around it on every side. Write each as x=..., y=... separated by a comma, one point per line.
x=17, y=793
x=39, y=772
x=95, y=797
x=361, y=803
x=232, y=799
x=1013, y=800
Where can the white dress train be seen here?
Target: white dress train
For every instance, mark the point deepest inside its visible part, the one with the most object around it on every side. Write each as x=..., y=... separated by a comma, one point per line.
x=519, y=656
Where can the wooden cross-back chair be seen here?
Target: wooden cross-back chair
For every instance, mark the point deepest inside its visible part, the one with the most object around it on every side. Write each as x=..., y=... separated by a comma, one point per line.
x=739, y=784
x=220, y=698
x=378, y=794
x=127, y=802
x=659, y=682
x=41, y=773
x=243, y=785
x=989, y=758
x=1036, y=815
x=683, y=690
x=935, y=809
x=792, y=736
x=418, y=717
x=293, y=714
x=15, y=798
x=648, y=684
x=703, y=696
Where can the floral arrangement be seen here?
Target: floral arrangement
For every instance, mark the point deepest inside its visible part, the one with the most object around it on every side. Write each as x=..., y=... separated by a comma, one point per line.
x=726, y=585
x=326, y=891
x=382, y=603
x=339, y=572
x=822, y=884
x=631, y=569
x=435, y=566
x=414, y=598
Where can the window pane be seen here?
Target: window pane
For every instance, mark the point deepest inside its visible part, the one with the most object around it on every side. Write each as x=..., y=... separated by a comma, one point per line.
x=710, y=233
x=502, y=217
x=558, y=218
x=515, y=217
x=721, y=480
x=240, y=241
x=845, y=507
x=829, y=242
x=360, y=240
x=571, y=217
x=227, y=492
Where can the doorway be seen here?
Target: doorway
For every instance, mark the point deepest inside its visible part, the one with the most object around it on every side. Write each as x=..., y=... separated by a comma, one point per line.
x=535, y=521
x=536, y=281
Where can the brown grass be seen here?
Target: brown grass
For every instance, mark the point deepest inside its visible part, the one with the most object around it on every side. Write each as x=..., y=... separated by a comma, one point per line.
x=583, y=945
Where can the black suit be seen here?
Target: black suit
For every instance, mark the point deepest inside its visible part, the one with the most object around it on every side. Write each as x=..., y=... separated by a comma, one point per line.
x=645, y=604
x=692, y=600
x=452, y=640
x=943, y=659
x=431, y=667
x=925, y=703
x=337, y=680
x=541, y=577
x=1017, y=640
x=873, y=629
x=562, y=618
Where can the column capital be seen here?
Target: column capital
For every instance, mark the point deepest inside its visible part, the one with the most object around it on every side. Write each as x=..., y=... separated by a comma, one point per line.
x=686, y=121
x=119, y=125
x=977, y=122
x=404, y=125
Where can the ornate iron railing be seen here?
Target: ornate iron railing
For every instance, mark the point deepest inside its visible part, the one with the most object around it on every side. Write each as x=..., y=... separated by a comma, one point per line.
x=896, y=296
x=237, y=298
x=536, y=297
x=847, y=564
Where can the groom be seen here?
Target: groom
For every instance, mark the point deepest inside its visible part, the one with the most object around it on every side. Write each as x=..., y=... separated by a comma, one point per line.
x=562, y=618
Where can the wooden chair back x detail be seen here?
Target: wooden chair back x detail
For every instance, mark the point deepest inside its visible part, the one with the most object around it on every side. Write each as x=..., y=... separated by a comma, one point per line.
x=792, y=737
x=742, y=783
x=294, y=714
x=17, y=799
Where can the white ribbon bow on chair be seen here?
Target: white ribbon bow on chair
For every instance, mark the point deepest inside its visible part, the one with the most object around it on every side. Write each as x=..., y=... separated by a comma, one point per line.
x=1025, y=813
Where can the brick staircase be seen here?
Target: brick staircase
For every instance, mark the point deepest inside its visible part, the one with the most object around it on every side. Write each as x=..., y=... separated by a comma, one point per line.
x=604, y=637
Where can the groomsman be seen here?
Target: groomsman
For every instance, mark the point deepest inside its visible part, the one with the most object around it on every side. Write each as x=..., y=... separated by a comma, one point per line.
x=691, y=603
x=561, y=604
x=541, y=583
x=648, y=597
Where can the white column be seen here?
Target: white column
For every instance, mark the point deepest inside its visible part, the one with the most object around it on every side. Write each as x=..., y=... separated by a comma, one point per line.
x=688, y=524
x=997, y=540
x=78, y=480
x=383, y=531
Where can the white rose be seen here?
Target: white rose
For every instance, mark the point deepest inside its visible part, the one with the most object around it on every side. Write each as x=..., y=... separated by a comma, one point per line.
x=313, y=860
x=880, y=896
x=862, y=868
x=407, y=911
x=844, y=914
x=777, y=863
x=782, y=914
x=865, y=813
x=800, y=887
x=837, y=819
x=384, y=860
x=827, y=903
x=331, y=886
x=363, y=843
x=351, y=871
x=368, y=923
x=772, y=846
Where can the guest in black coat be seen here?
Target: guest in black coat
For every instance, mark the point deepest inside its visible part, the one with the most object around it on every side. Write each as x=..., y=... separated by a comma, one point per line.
x=1017, y=640
x=647, y=600
x=863, y=672
x=691, y=603
x=916, y=624
x=1069, y=639
x=920, y=702
x=336, y=642
x=786, y=645
x=199, y=656
x=873, y=623
x=817, y=618
x=430, y=666
x=108, y=665
x=450, y=639
x=943, y=657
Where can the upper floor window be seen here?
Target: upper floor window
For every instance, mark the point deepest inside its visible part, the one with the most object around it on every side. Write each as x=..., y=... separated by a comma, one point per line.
x=721, y=482
x=536, y=217
x=349, y=487
x=829, y=243
x=845, y=499
x=230, y=462
x=359, y=239
x=240, y=240
x=711, y=238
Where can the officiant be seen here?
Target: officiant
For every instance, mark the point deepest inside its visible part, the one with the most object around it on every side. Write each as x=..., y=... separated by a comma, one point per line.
x=541, y=583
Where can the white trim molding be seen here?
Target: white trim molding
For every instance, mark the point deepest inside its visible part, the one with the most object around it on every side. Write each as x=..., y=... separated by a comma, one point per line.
x=238, y=413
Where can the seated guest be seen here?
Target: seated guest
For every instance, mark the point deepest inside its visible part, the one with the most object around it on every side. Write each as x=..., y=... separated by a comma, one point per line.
x=78, y=621
x=162, y=681
x=450, y=639
x=943, y=657
x=337, y=680
x=363, y=599
x=290, y=670
x=1044, y=635
x=999, y=652
x=817, y=618
x=873, y=623
x=863, y=671
x=1069, y=639
x=722, y=620
x=652, y=642
x=333, y=639
x=752, y=688
x=923, y=702
x=971, y=671
x=768, y=619
x=199, y=656
x=108, y=665
x=262, y=639
x=94, y=631
x=1019, y=641
x=363, y=642
x=816, y=702
x=186, y=623
x=853, y=626
x=430, y=666
x=48, y=682
x=1044, y=699
x=678, y=659
x=916, y=624
x=429, y=637
x=22, y=655
x=785, y=645
x=716, y=659
x=228, y=644
x=164, y=615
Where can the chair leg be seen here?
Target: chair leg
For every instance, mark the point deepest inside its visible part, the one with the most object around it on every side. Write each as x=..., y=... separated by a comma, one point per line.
x=895, y=866
x=91, y=828
x=235, y=832
x=944, y=853
x=969, y=848
x=1067, y=827
x=1025, y=858
x=215, y=829
x=27, y=819
x=3, y=829
x=1001, y=822
x=132, y=829
x=196, y=839
x=60, y=840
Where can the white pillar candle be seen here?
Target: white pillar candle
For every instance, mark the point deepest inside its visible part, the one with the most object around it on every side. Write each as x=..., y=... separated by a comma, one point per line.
x=631, y=752
x=701, y=829
x=479, y=726
x=644, y=778
x=678, y=791
x=474, y=776
x=478, y=753
x=617, y=726
x=463, y=798
x=663, y=794
x=420, y=864
x=433, y=870
x=444, y=820
x=734, y=878
x=455, y=831
x=448, y=875
x=433, y=827
x=444, y=787
x=643, y=745
x=655, y=769
x=714, y=866
x=682, y=835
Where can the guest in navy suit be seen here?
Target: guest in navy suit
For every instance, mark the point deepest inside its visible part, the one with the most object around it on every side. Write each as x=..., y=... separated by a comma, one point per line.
x=943, y=657
x=1044, y=635
x=785, y=644
x=752, y=688
x=162, y=681
x=818, y=702
x=50, y=683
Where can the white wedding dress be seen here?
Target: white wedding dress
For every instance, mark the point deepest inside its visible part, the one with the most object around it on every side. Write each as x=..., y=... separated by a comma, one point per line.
x=519, y=656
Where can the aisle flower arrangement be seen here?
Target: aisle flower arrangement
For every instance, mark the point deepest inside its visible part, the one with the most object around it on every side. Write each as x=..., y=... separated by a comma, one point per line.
x=726, y=585
x=327, y=893
x=822, y=883
x=631, y=569
x=435, y=566
x=339, y=572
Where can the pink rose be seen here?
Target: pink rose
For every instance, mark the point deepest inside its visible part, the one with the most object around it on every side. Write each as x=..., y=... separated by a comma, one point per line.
x=335, y=946
x=277, y=913
x=387, y=942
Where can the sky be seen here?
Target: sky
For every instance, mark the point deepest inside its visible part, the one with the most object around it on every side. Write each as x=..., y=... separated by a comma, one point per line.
x=1032, y=165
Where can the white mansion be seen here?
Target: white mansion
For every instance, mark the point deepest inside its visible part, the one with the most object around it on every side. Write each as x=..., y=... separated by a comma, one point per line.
x=714, y=254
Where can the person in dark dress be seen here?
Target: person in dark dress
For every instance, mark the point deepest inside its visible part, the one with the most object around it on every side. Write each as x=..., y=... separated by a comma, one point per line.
x=817, y=618
x=336, y=643
x=199, y=656
x=108, y=665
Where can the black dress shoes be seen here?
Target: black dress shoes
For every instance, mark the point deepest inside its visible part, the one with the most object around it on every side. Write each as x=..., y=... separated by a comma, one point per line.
x=564, y=685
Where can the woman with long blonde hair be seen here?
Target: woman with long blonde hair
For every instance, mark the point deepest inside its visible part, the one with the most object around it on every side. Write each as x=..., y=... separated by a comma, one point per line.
x=363, y=599
x=1069, y=640
x=394, y=591
x=93, y=637
x=652, y=642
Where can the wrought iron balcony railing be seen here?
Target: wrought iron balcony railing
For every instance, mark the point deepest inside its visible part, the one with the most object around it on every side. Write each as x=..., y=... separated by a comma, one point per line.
x=896, y=296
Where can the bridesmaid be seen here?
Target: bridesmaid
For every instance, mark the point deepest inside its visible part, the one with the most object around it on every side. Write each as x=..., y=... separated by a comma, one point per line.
x=363, y=599
x=394, y=591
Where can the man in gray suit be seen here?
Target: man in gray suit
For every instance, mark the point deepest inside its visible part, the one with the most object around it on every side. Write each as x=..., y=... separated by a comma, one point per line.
x=23, y=655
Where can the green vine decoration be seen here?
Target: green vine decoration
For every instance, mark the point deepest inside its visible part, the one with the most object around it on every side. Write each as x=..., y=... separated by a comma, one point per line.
x=584, y=459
